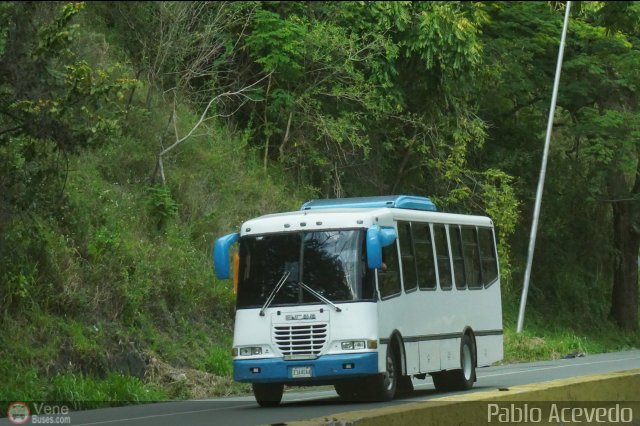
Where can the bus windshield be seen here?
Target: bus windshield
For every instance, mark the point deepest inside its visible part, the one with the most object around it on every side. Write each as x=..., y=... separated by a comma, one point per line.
x=333, y=263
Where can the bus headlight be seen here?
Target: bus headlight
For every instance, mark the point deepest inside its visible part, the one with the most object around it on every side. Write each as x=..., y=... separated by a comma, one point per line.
x=250, y=350
x=354, y=345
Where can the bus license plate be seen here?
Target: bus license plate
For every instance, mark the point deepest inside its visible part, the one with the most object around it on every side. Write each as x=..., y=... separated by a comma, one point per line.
x=300, y=372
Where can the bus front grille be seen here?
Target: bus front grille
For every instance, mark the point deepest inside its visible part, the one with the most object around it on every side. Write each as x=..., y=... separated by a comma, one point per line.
x=300, y=341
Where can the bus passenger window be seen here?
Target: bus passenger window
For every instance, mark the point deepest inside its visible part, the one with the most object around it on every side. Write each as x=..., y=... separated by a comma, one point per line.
x=408, y=258
x=471, y=257
x=424, y=256
x=456, y=254
x=389, y=279
x=487, y=256
x=442, y=253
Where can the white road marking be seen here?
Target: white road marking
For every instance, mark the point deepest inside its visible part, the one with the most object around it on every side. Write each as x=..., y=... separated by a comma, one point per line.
x=547, y=368
x=315, y=395
x=161, y=415
x=559, y=366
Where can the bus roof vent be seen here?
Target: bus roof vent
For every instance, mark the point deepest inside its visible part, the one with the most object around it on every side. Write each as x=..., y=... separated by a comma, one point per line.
x=392, y=201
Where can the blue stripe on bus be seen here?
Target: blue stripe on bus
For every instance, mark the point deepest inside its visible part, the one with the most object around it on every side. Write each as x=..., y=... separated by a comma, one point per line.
x=322, y=368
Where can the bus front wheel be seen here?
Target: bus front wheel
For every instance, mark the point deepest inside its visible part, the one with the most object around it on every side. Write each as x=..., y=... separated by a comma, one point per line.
x=268, y=394
x=351, y=390
x=383, y=386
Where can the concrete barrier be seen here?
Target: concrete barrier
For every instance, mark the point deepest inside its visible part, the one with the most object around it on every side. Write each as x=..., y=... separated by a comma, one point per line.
x=612, y=398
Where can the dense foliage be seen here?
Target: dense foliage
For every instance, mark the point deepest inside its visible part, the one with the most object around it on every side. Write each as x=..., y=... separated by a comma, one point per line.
x=133, y=133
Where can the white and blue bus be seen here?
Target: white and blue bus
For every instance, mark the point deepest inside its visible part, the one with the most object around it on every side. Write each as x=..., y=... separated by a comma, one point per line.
x=363, y=294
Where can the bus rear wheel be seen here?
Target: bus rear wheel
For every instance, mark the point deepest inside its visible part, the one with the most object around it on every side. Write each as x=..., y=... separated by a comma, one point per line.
x=268, y=394
x=462, y=378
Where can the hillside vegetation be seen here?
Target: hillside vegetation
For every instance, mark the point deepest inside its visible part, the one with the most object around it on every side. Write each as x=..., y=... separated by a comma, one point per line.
x=133, y=134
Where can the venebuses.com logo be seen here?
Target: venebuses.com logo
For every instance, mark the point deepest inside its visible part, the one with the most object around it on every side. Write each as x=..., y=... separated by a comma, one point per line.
x=18, y=413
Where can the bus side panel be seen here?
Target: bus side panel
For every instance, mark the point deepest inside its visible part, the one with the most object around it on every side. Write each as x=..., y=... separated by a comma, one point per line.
x=436, y=319
x=450, y=353
x=429, y=356
x=489, y=349
x=412, y=355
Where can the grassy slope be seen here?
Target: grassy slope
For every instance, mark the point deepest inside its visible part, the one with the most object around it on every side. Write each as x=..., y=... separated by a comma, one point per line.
x=137, y=313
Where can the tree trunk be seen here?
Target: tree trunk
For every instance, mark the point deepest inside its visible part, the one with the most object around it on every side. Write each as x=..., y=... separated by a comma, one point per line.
x=147, y=101
x=626, y=241
x=133, y=91
x=624, y=299
x=266, y=127
x=286, y=137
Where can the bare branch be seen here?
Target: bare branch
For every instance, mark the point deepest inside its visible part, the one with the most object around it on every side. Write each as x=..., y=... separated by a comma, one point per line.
x=286, y=136
x=203, y=116
x=161, y=167
x=241, y=94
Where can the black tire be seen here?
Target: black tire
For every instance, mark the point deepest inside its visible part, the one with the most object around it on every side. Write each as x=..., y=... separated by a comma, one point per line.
x=383, y=386
x=462, y=378
x=268, y=394
x=440, y=381
x=405, y=386
x=348, y=391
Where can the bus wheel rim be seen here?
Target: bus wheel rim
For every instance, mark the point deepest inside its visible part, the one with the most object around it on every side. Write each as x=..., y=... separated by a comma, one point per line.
x=466, y=362
x=390, y=373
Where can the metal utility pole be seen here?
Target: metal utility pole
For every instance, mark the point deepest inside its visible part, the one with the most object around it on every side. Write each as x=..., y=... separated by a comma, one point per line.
x=543, y=171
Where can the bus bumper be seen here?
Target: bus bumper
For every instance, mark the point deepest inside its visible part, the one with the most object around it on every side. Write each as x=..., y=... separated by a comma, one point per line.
x=323, y=368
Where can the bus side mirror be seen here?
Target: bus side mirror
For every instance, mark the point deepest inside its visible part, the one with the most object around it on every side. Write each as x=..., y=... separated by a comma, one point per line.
x=376, y=239
x=221, y=262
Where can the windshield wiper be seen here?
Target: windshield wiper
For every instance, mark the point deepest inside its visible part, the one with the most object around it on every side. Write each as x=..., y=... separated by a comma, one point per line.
x=319, y=296
x=274, y=292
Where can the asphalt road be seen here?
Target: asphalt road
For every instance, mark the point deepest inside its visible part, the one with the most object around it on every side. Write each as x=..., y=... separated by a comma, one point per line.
x=323, y=401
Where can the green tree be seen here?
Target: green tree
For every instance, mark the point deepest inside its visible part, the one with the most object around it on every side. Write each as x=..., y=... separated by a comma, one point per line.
x=594, y=153
x=374, y=97
x=52, y=104
x=320, y=94
x=605, y=108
